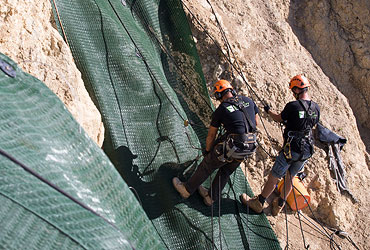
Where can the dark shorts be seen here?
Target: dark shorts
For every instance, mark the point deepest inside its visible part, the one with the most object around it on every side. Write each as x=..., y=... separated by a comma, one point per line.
x=281, y=166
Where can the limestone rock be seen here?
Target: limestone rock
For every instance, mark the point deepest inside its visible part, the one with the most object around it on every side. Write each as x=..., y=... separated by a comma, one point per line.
x=328, y=42
x=28, y=37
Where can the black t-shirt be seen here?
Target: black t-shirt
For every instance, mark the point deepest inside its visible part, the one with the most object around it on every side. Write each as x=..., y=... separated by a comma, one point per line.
x=231, y=117
x=296, y=117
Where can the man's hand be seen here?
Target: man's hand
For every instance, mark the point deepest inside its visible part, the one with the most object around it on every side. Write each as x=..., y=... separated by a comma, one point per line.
x=266, y=108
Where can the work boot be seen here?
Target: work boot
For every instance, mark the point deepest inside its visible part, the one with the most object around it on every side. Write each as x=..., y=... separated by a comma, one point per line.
x=253, y=203
x=180, y=187
x=276, y=209
x=206, y=198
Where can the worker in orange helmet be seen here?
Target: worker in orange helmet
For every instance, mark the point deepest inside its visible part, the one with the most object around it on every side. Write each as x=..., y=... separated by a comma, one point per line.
x=300, y=117
x=238, y=116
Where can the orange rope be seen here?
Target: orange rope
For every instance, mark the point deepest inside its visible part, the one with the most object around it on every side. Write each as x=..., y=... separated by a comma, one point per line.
x=60, y=23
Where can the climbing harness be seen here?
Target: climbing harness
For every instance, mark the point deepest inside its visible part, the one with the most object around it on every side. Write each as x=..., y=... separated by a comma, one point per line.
x=238, y=146
x=299, y=140
x=287, y=149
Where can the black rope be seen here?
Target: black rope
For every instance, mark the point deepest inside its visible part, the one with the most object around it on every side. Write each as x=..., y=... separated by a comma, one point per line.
x=144, y=60
x=238, y=212
x=182, y=72
x=55, y=187
x=299, y=218
x=220, y=49
x=161, y=137
x=109, y=73
x=210, y=180
x=219, y=211
x=238, y=70
x=167, y=53
x=315, y=218
x=286, y=215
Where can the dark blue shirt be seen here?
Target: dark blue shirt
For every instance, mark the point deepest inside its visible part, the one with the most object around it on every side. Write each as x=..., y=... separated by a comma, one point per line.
x=296, y=117
x=231, y=117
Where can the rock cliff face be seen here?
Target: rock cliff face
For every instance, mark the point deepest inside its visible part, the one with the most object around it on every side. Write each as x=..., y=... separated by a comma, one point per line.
x=337, y=35
x=273, y=41
x=326, y=40
x=27, y=36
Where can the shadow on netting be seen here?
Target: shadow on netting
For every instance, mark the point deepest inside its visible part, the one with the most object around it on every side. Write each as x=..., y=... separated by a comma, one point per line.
x=153, y=188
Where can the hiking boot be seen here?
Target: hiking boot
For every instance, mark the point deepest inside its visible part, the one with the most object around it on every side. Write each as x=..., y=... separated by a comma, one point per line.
x=180, y=187
x=206, y=198
x=253, y=203
x=276, y=209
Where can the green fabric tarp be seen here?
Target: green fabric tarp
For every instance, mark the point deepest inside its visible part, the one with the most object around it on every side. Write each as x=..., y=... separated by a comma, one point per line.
x=58, y=190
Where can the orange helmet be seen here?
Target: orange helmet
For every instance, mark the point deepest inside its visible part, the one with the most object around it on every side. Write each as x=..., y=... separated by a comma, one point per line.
x=299, y=81
x=220, y=87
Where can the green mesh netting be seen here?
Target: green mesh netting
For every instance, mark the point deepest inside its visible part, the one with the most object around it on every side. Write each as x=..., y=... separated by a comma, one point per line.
x=58, y=190
x=140, y=65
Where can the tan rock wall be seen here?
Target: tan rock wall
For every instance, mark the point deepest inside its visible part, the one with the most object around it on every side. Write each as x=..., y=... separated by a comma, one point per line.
x=269, y=50
x=28, y=38
x=337, y=33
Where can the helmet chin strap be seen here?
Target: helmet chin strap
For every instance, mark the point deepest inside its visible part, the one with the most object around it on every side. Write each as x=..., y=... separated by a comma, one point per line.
x=296, y=95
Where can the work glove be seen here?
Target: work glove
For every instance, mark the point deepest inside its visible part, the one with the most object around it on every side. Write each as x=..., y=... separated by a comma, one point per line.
x=266, y=108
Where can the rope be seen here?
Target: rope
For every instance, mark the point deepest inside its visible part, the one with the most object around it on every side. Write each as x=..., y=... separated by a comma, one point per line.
x=43, y=219
x=219, y=211
x=245, y=185
x=286, y=217
x=145, y=62
x=60, y=23
x=327, y=234
x=238, y=70
x=299, y=218
x=213, y=245
x=109, y=73
x=330, y=237
x=220, y=49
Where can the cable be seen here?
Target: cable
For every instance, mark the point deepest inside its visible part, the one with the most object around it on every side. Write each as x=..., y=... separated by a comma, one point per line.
x=220, y=49
x=238, y=70
x=312, y=212
x=60, y=23
x=210, y=180
x=299, y=218
x=167, y=53
x=286, y=215
x=219, y=211
x=109, y=73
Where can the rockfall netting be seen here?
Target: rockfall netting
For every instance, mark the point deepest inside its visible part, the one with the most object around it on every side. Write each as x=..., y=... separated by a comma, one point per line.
x=58, y=190
x=140, y=65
